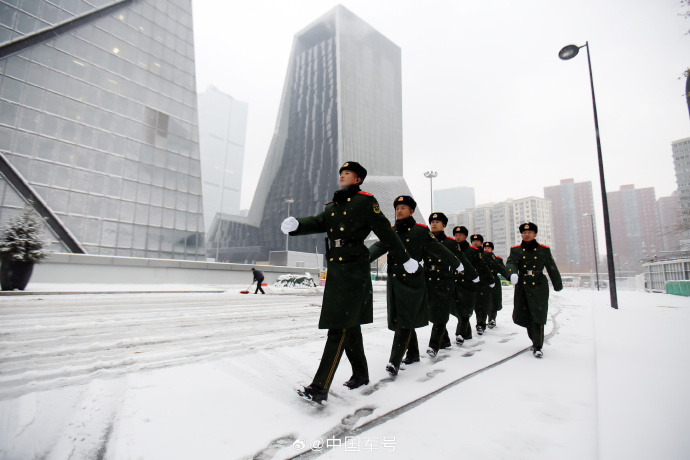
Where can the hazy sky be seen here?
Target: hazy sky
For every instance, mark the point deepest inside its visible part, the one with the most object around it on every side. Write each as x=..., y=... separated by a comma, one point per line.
x=486, y=101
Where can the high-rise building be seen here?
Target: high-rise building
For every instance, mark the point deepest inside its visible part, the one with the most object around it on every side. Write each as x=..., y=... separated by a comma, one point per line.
x=634, y=227
x=222, y=132
x=537, y=210
x=574, y=229
x=453, y=200
x=98, y=124
x=669, y=221
x=500, y=222
x=342, y=100
x=681, y=163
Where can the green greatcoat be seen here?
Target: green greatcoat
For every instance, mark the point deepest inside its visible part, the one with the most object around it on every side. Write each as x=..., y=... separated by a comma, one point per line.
x=497, y=267
x=470, y=292
x=348, y=296
x=531, y=298
x=464, y=286
x=407, y=297
x=440, y=279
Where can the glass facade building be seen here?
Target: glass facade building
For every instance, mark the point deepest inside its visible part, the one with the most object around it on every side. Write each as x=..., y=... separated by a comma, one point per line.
x=342, y=101
x=98, y=123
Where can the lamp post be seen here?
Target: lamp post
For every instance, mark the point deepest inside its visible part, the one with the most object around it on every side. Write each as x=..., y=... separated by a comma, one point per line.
x=430, y=175
x=566, y=53
x=594, y=246
x=289, y=201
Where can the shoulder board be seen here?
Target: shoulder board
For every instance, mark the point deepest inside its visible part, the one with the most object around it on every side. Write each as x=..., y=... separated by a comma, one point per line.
x=421, y=225
x=392, y=226
x=472, y=247
x=516, y=246
x=326, y=204
x=544, y=246
x=365, y=193
x=499, y=257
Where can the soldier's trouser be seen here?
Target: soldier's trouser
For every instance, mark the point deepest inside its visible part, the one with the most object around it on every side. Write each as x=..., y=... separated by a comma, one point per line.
x=339, y=340
x=536, y=334
x=483, y=305
x=439, y=336
x=413, y=347
x=496, y=301
x=401, y=340
x=464, y=328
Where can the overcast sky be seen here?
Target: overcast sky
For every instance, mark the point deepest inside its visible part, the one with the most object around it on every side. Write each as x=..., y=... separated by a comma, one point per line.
x=486, y=101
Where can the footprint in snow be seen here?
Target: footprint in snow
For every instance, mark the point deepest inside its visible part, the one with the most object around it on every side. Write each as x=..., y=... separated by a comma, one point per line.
x=430, y=375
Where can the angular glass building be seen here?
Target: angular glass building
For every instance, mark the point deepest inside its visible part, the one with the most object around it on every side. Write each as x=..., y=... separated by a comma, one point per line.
x=98, y=124
x=342, y=100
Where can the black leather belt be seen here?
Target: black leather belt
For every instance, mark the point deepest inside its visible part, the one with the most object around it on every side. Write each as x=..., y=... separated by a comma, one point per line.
x=443, y=268
x=531, y=273
x=345, y=242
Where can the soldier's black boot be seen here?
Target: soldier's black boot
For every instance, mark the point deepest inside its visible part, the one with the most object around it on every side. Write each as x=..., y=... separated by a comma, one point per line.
x=410, y=360
x=537, y=353
x=314, y=393
x=392, y=369
x=356, y=382
x=491, y=324
x=459, y=339
x=480, y=329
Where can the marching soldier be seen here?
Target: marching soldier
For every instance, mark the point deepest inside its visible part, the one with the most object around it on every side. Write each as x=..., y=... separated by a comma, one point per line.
x=483, y=302
x=466, y=293
x=440, y=279
x=497, y=267
x=407, y=300
x=347, y=299
x=526, y=264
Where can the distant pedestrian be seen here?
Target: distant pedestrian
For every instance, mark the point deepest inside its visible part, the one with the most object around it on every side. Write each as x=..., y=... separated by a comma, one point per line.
x=526, y=264
x=258, y=278
x=348, y=297
x=406, y=293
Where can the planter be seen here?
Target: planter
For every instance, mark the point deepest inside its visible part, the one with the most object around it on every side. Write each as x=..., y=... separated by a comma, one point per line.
x=15, y=274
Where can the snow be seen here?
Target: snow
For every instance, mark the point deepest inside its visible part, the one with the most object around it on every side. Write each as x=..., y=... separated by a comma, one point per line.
x=159, y=372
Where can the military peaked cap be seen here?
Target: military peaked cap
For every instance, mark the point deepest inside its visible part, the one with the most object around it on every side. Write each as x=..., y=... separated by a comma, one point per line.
x=489, y=244
x=477, y=236
x=438, y=216
x=528, y=226
x=405, y=199
x=355, y=168
x=461, y=229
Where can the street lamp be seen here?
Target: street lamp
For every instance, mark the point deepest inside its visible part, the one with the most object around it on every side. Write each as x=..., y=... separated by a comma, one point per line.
x=289, y=201
x=430, y=175
x=566, y=53
x=594, y=245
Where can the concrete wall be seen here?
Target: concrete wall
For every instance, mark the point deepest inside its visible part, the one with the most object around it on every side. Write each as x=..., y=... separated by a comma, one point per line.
x=81, y=268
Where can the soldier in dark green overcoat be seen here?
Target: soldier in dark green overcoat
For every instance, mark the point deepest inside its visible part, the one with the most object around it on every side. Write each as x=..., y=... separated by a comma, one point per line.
x=482, y=299
x=466, y=284
x=347, y=298
x=497, y=268
x=440, y=288
x=525, y=265
x=407, y=298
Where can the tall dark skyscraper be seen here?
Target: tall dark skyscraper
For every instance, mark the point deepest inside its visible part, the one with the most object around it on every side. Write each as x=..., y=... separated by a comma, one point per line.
x=98, y=124
x=342, y=100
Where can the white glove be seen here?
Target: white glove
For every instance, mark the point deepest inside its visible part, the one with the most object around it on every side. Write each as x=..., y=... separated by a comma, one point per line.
x=492, y=285
x=476, y=280
x=514, y=278
x=289, y=225
x=411, y=265
x=460, y=268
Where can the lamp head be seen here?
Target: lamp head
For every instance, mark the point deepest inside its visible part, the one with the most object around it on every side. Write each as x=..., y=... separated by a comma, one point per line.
x=568, y=52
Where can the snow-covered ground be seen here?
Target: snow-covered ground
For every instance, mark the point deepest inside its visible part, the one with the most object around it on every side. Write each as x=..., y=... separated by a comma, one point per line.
x=212, y=375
